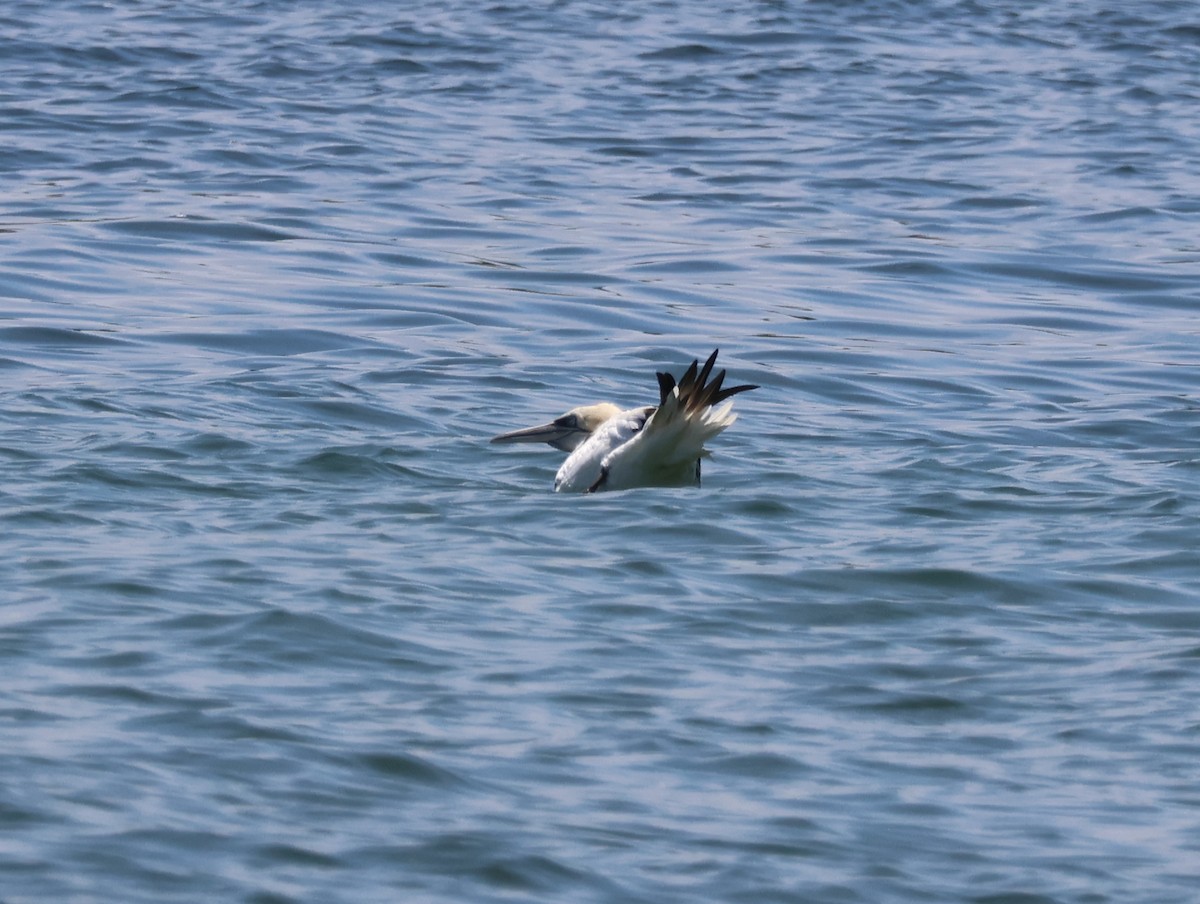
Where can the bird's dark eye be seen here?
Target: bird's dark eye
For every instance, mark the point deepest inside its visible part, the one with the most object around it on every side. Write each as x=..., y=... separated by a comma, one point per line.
x=567, y=421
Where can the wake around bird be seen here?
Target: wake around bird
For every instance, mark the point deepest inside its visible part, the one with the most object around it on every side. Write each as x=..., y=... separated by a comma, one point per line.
x=652, y=446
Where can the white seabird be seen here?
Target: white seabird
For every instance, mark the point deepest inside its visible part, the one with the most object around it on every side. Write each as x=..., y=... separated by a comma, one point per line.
x=652, y=446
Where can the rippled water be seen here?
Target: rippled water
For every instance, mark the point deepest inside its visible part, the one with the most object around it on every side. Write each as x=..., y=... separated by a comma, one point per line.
x=279, y=625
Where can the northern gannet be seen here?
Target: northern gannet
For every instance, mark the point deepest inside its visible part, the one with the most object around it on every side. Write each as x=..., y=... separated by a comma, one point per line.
x=652, y=446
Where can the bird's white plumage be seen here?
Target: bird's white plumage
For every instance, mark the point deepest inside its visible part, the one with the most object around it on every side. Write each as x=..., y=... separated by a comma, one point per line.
x=668, y=449
x=583, y=467
x=611, y=449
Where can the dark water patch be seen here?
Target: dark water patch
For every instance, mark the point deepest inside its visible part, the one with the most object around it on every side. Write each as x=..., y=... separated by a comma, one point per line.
x=190, y=722
x=13, y=364
x=766, y=766
x=1125, y=213
x=58, y=338
x=531, y=873
x=565, y=251
x=410, y=769
x=149, y=479
x=276, y=853
x=682, y=52
x=925, y=708
x=404, y=261
x=177, y=95
x=216, y=444
x=128, y=589
x=686, y=265
x=364, y=414
x=126, y=449
x=125, y=693
x=22, y=818
x=527, y=277
x=133, y=163
x=35, y=517
x=265, y=341
x=851, y=611
x=1098, y=277
x=340, y=464
x=117, y=661
x=911, y=269
x=498, y=864
x=997, y=203
x=1061, y=323
x=398, y=65
x=199, y=229
x=1183, y=300
x=277, y=637
x=723, y=200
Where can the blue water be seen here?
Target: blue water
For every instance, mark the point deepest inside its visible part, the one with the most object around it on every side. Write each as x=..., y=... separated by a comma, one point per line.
x=278, y=624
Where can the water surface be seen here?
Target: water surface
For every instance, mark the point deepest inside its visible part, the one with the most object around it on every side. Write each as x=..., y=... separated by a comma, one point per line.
x=279, y=625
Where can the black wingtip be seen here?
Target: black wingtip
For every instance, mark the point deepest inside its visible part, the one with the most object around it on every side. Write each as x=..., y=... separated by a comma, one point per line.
x=732, y=391
x=666, y=383
x=708, y=366
x=696, y=390
x=689, y=377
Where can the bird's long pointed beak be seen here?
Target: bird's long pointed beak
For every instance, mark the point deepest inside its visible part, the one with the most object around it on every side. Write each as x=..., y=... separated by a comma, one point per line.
x=542, y=433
